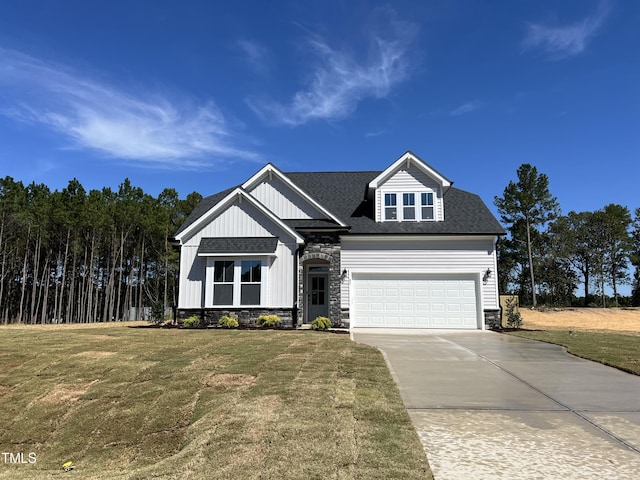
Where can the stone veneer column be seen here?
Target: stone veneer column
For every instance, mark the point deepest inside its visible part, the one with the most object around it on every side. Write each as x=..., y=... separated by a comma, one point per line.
x=325, y=247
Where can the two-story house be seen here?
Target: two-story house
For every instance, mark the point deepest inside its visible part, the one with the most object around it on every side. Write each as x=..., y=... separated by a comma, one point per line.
x=398, y=248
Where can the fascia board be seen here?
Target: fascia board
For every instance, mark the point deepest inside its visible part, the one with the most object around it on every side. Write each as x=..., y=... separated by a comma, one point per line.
x=418, y=162
x=224, y=203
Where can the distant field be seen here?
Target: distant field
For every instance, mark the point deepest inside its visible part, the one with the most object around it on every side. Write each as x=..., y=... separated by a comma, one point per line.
x=621, y=320
x=140, y=403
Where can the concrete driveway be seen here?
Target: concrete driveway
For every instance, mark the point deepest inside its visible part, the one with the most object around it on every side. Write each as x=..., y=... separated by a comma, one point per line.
x=492, y=406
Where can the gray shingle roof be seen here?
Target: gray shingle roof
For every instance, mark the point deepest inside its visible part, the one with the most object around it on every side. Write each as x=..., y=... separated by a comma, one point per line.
x=343, y=194
x=311, y=223
x=232, y=245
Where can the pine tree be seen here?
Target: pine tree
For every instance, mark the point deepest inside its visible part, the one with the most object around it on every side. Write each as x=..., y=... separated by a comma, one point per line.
x=528, y=201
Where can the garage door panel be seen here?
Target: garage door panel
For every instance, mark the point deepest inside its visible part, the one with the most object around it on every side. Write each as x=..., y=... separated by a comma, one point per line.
x=415, y=302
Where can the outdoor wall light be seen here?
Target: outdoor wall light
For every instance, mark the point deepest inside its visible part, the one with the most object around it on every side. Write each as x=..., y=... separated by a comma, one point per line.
x=486, y=275
x=343, y=275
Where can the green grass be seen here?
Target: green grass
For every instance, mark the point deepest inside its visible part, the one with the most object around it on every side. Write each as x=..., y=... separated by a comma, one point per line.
x=613, y=349
x=140, y=403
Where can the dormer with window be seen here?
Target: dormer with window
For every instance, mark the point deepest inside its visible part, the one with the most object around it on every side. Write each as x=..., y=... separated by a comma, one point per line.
x=409, y=191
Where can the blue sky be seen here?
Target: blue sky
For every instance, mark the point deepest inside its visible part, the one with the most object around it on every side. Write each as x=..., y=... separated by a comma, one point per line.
x=198, y=95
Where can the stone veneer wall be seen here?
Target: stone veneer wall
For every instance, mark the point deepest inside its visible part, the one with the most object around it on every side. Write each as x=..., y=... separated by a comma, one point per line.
x=324, y=246
x=492, y=319
x=247, y=317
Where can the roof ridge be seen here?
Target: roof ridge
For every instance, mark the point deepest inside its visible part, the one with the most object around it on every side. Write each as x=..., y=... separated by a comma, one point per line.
x=336, y=171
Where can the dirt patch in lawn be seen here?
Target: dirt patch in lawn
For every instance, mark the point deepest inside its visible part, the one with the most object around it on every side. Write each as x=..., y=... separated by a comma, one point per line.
x=295, y=356
x=94, y=354
x=206, y=362
x=625, y=320
x=66, y=393
x=4, y=389
x=229, y=380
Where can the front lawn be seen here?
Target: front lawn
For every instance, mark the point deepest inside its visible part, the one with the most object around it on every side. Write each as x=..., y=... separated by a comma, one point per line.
x=613, y=349
x=139, y=403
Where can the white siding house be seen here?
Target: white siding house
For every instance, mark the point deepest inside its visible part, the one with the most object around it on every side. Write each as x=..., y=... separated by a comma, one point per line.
x=395, y=248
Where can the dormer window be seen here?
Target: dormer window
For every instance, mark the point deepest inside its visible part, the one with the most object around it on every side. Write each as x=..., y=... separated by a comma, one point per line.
x=390, y=208
x=408, y=190
x=427, y=206
x=417, y=206
x=409, y=206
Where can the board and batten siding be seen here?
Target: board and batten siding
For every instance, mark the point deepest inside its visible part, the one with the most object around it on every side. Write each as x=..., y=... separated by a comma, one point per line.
x=240, y=219
x=191, y=292
x=410, y=180
x=428, y=256
x=282, y=200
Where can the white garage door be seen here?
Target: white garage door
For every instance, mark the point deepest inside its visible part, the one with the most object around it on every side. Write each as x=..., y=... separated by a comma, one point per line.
x=412, y=301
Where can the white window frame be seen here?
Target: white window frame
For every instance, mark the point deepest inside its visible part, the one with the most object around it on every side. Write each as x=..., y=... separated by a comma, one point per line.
x=243, y=283
x=391, y=207
x=426, y=205
x=224, y=283
x=408, y=204
x=400, y=205
x=237, y=281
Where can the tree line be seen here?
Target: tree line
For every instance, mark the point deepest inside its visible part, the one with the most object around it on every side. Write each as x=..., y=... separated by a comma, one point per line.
x=546, y=256
x=75, y=256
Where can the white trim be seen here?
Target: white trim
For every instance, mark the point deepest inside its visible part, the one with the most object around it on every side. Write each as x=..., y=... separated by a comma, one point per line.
x=237, y=193
x=480, y=300
x=237, y=254
x=475, y=276
x=270, y=169
x=237, y=282
x=417, y=205
x=410, y=159
x=416, y=238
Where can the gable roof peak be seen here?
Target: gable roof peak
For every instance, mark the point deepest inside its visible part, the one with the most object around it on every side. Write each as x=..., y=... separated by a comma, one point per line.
x=241, y=195
x=270, y=169
x=408, y=159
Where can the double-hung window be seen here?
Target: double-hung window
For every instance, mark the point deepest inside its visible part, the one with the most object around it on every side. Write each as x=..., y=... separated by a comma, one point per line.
x=390, y=208
x=237, y=282
x=409, y=206
x=250, y=282
x=427, y=206
x=223, y=282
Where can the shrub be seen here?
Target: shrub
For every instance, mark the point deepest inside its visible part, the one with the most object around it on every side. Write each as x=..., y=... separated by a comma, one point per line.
x=157, y=313
x=228, y=322
x=269, y=321
x=321, y=323
x=191, y=322
x=514, y=319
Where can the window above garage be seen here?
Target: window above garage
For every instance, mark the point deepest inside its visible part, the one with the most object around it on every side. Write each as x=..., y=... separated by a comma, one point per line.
x=409, y=191
x=409, y=206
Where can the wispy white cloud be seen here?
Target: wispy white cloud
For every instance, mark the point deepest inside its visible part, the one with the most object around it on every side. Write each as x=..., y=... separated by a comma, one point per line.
x=466, y=108
x=565, y=41
x=255, y=55
x=91, y=114
x=340, y=79
x=374, y=133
